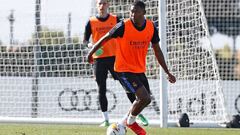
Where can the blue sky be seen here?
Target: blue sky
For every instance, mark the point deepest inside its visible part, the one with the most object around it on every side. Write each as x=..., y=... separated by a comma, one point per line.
x=54, y=14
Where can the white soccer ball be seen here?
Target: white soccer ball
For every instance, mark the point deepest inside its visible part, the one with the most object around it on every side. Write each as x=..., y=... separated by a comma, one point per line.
x=116, y=129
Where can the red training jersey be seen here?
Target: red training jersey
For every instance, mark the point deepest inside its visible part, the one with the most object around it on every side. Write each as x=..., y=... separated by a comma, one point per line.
x=99, y=29
x=132, y=48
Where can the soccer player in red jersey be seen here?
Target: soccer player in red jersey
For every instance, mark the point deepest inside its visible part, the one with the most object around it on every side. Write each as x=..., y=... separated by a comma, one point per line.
x=134, y=36
x=104, y=57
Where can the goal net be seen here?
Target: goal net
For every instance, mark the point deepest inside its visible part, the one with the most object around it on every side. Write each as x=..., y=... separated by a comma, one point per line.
x=47, y=79
x=190, y=57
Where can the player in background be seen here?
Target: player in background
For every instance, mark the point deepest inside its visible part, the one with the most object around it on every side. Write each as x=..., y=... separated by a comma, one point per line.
x=134, y=36
x=104, y=57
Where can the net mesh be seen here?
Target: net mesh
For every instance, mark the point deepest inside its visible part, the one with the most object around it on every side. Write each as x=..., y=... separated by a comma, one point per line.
x=44, y=72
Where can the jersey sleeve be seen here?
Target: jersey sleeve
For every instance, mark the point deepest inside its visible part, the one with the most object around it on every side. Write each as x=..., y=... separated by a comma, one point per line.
x=117, y=30
x=88, y=31
x=155, y=38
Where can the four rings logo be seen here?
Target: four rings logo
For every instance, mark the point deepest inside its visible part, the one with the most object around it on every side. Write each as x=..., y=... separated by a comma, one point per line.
x=237, y=104
x=87, y=100
x=83, y=100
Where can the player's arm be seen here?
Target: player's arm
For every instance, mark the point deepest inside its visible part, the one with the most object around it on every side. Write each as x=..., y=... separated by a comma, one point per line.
x=161, y=61
x=159, y=55
x=97, y=45
x=87, y=33
x=160, y=58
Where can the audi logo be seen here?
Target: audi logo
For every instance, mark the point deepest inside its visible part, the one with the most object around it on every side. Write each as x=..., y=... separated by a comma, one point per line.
x=236, y=104
x=83, y=100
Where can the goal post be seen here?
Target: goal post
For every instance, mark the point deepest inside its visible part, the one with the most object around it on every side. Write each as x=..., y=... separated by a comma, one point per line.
x=163, y=81
x=198, y=91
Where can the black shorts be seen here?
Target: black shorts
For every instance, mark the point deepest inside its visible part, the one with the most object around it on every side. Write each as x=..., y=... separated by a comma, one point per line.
x=102, y=66
x=132, y=81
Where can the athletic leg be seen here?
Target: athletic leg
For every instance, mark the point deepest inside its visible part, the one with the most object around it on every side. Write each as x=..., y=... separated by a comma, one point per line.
x=140, y=118
x=143, y=94
x=131, y=96
x=132, y=84
x=101, y=71
x=143, y=99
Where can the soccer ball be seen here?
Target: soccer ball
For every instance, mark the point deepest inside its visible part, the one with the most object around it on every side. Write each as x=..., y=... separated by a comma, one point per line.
x=116, y=129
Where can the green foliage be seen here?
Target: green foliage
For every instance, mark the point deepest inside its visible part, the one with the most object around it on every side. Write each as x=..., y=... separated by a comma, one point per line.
x=51, y=37
x=226, y=63
x=48, y=36
x=224, y=52
x=57, y=56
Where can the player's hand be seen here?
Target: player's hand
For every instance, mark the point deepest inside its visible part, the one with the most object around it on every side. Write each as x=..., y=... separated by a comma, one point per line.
x=171, y=78
x=90, y=45
x=90, y=58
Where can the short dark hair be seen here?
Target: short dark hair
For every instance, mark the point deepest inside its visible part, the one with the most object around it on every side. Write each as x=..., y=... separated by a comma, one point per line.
x=140, y=4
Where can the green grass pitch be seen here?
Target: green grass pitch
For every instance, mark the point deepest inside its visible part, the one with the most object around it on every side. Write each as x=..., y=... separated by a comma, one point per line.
x=47, y=129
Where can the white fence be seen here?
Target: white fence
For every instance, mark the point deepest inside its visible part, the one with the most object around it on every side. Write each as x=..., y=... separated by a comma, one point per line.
x=74, y=98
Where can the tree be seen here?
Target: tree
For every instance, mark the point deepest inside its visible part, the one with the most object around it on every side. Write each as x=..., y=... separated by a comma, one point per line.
x=59, y=56
x=225, y=52
x=50, y=36
x=237, y=67
x=226, y=63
